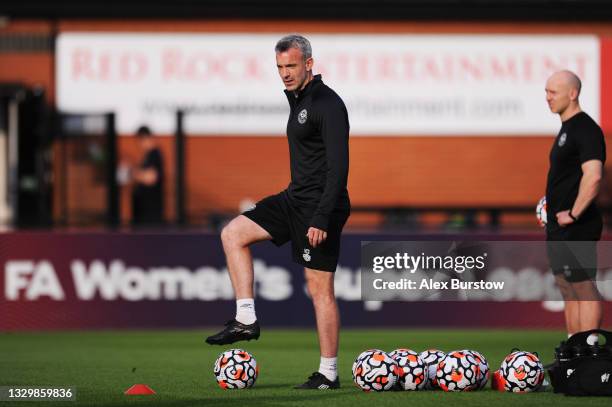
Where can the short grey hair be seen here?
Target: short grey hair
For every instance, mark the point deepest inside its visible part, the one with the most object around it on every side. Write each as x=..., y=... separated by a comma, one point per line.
x=294, y=41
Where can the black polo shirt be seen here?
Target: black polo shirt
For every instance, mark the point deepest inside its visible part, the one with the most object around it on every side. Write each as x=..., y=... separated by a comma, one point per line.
x=579, y=140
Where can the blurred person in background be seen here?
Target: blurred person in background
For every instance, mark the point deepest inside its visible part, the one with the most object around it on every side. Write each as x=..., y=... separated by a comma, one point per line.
x=148, y=182
x=310, y=213
x=574, y=178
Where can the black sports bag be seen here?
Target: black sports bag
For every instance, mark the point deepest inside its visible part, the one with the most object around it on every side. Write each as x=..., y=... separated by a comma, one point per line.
x=581, y=369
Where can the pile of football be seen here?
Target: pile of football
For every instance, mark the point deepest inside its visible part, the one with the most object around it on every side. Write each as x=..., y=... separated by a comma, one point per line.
x=405, y=369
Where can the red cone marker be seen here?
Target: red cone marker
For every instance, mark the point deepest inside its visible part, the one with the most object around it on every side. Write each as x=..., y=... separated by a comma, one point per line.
x=139, y=389
x=497, y=382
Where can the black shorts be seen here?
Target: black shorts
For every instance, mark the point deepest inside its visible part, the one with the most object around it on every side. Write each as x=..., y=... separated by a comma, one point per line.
x=572, y=250
x=287, y=222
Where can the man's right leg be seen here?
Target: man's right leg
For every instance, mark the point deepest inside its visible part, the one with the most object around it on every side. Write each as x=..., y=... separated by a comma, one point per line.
x=236, y=237
x=572, y=306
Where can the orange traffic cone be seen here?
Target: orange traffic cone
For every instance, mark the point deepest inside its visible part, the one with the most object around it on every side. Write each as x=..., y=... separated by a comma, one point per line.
x=497, y=382
x=139, y=389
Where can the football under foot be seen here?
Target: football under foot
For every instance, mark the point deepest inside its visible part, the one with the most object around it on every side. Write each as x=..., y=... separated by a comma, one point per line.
x=234, y=331
x=317, y=381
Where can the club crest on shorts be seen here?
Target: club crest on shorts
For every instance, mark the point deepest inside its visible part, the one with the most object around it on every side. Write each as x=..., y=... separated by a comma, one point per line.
x=302, y=116
x=306, y=255
x=562, y=139
x=567, y=271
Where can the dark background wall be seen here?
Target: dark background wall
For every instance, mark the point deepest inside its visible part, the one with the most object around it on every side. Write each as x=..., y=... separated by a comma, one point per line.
x=544, y=10
x=28, y=30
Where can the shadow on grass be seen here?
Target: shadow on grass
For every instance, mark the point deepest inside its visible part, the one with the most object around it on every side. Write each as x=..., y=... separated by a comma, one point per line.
x=250, y=398
x=275, y=386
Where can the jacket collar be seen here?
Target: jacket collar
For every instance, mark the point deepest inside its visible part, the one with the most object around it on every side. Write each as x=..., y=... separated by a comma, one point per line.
x=316, y=80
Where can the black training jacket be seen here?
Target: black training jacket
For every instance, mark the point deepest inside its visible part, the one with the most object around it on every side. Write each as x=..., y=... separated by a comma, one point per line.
x=318, y=131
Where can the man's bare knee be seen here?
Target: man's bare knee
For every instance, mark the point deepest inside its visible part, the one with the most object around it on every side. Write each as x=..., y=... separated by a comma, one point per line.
x=241, y=232
x=320, y=285
x=322, y=295
x=235, y=234
x=230, y=235
x=566, y=289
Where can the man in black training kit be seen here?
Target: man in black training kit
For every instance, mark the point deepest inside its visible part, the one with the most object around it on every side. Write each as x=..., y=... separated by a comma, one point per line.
x=574, y=223
x=310, y=213
x=148, y=178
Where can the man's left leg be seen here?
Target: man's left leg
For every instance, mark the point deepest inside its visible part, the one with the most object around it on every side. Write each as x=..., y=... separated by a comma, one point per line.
x=583, y=284
x=320, y=286
x=589, y=302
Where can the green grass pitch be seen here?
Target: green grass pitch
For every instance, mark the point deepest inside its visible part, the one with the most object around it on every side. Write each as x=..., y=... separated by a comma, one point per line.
x=178, y=366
